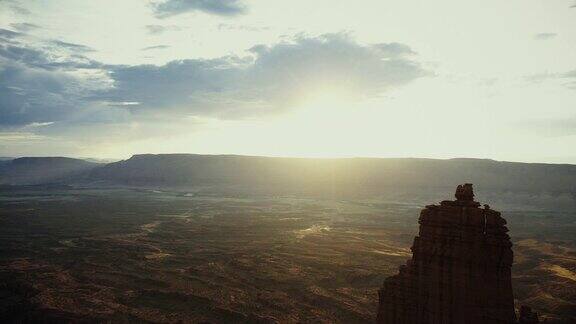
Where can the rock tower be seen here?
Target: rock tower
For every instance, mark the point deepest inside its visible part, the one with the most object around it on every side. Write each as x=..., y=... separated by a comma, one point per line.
x=460, y=271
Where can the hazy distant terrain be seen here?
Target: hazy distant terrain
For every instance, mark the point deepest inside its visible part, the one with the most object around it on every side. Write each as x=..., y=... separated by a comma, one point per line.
x=41, y=170
x=173, y=238
x=552, y=185
x=343, y=175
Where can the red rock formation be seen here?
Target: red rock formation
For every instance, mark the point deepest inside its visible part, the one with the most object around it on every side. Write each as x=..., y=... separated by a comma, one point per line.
x=460, y=271
x=527, y=316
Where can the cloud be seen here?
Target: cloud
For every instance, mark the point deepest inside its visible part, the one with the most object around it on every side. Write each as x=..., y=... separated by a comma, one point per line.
x=541, y=77
x=15, y=6
x=24, y=27
x=74, y=47
x=242, y=27
x=41, y=58
x=271, y=79
x=170, y=8
x=46, y=54
x=30, y=94
x=553, y=127
x=20, y=137
x=395, y=49
x=159, y=29
x=6, y=34
x=155, y=47
x=545, y=36
x=53, y=83
x=571, y=76
x=123, y=103
x=174, y=84
x=20, y=10
x=45, y=82
x=36, y=124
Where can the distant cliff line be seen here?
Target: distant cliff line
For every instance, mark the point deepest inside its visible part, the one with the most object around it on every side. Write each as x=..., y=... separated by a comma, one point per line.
x=355, y=172
x=350, y=174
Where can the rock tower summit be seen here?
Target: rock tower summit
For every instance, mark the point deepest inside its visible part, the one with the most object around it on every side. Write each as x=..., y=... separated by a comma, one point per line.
x=460, y=271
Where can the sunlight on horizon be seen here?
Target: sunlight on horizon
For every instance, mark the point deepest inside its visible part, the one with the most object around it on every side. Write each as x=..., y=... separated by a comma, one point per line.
x=328, y=124
x=392, y=82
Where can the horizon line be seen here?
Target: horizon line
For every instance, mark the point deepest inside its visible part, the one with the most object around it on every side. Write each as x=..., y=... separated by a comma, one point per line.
x=111, y=160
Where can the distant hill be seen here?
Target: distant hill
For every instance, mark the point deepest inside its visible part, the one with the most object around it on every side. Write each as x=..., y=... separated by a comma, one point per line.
x=297, y=175
x=348, y=175
x=4, y=161
x=518, y=184
x=38, y=170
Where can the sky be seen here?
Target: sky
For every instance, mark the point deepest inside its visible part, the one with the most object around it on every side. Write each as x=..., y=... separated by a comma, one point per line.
x=435, y=79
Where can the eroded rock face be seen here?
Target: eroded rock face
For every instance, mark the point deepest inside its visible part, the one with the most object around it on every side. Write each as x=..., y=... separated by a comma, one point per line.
x=460, y=271
x=527, y=316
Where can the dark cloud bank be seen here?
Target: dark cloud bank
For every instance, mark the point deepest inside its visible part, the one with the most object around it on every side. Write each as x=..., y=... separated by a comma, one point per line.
x=273, y=76
x=215, y=7
x=39, y=86
x=42, y=82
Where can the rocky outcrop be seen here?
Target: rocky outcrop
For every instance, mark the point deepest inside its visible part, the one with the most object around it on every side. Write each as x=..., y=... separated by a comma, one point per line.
x=527, y=316
x=460, y=271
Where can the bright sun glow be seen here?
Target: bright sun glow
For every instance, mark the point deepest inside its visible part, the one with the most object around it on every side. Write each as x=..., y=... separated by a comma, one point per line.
x=329, y=124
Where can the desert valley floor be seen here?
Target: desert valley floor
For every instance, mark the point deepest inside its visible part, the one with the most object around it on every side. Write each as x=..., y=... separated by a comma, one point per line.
x=168, y=256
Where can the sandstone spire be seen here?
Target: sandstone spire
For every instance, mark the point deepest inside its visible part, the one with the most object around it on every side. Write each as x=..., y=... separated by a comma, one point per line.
x=460, y=271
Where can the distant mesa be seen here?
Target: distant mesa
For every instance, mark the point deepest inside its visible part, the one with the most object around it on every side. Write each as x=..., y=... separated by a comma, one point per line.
x=345, y=176
x=43, y=170
x=460, y=271
x=371, y=175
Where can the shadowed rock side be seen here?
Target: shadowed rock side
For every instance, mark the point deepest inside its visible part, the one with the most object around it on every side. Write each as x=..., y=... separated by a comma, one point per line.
x=460, y=271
